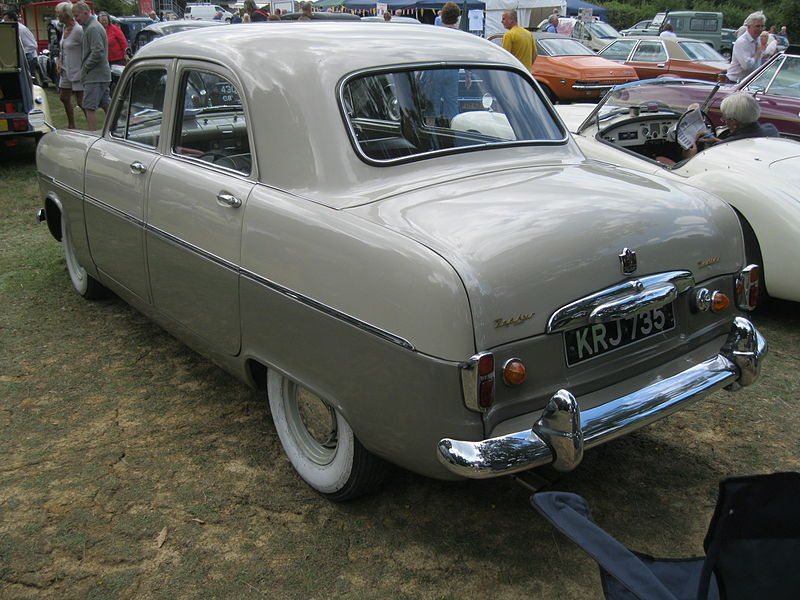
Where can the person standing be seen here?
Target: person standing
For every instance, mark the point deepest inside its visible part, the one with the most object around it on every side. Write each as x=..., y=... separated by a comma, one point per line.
x=30, y=46
x=305, y=10
x=552, y=24
x=441, y=85
x=95, y=72
x=517, y=40
x=747, y=49
x=667, y=31
x=117, y=43
x=69, y=62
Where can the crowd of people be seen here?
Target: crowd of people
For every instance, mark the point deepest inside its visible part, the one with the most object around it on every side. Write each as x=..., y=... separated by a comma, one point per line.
x=91, y=43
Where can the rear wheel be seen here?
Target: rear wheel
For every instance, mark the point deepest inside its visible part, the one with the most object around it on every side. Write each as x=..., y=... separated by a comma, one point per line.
x=319, y=443
x=86, y=285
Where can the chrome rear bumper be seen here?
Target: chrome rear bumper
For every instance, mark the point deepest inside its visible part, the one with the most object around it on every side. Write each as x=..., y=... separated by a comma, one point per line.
x=563, y=432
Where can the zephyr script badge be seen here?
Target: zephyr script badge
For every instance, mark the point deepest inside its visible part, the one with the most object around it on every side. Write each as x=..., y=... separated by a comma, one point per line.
x=628, y=261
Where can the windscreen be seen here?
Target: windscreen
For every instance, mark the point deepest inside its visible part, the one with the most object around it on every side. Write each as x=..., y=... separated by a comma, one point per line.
x=398, y=115
x=563, y=47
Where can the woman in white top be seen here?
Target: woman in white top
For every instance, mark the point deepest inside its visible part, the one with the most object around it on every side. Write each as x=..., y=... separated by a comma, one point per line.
x=69, y=61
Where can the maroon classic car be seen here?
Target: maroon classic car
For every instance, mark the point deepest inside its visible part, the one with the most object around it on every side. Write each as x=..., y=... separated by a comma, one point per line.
x=776, y=86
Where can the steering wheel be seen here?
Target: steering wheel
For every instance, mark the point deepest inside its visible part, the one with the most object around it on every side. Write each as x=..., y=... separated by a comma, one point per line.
x=709, y=124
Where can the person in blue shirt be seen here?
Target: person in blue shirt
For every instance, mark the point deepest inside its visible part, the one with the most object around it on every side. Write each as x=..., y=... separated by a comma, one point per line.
x=552, y=24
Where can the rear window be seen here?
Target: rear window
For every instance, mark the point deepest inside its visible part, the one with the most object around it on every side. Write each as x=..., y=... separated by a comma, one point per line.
x=700, y=51
x=399, y=115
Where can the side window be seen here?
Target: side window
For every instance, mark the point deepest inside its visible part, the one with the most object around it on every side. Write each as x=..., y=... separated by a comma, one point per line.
x=618, y=50
x=760, y=83
x=787, y=81
x=211, y=124
x=139, y=115
x=649, y=52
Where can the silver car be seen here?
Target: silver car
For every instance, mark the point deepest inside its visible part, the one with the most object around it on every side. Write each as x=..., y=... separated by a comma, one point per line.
x=389, y=230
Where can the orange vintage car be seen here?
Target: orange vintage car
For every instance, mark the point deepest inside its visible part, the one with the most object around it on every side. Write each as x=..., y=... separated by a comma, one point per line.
x=569, y=72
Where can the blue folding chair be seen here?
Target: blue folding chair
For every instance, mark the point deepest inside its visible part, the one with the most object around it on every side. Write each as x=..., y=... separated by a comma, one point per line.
x=752, y=546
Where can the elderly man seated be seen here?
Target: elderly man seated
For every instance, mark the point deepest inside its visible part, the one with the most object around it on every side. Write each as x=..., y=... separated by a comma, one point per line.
x=740, y=111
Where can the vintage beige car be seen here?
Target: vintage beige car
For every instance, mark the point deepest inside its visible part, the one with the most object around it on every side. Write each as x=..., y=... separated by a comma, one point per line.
x=297, y=202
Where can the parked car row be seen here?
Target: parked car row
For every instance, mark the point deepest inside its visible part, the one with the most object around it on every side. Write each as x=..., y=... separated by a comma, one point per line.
x=450, y=286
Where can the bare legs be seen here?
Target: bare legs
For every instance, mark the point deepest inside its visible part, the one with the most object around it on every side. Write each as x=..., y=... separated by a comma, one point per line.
x=69, y=108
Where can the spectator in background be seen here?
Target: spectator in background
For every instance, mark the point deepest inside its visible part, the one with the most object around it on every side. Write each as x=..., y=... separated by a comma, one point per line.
x=305, y=8
x=552, y=24
x=517, y=40
x=69, y=62
x=30, y=47
x=784, y=34
x=441, y=85
x=387, y=16
x=667, y=31
x=217, y=16
x=747, y=49
x=236, y=18
x=153, y=16
x=117, y=43
x=95, y=72
x=438, y=20
x=770, y=46
x=256, y=14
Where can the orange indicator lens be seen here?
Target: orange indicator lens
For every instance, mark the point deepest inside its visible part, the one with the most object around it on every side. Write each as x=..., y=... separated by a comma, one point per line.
x=514, y=372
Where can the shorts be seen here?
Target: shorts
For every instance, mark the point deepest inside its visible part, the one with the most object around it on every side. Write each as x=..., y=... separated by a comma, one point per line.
x=96, y=95
x=66, y=84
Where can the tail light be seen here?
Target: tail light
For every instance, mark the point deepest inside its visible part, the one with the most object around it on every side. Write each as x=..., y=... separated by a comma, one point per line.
x=477, y=381
x=747, y=287
x=19, y=124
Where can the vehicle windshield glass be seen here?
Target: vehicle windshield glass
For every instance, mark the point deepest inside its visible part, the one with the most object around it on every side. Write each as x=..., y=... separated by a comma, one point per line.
x=603, y=30
x=564, y=47
x=393, y=116
x=700, y=51
x=650, y=96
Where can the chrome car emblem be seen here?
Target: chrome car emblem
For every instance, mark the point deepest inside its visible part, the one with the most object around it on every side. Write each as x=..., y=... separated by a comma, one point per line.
x=513, y=320
x=628, y=261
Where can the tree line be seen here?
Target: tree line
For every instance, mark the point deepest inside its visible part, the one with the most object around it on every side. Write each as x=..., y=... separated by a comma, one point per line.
x=624, y=13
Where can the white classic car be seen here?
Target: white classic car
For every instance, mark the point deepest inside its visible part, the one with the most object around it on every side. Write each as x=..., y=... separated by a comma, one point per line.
x=760, y=177
x=295, y=201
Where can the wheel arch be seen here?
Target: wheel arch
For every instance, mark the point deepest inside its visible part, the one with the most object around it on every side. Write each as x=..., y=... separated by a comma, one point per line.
x=52, y=211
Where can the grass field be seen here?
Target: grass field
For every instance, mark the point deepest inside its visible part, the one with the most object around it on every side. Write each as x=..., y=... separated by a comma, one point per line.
x=133, y=468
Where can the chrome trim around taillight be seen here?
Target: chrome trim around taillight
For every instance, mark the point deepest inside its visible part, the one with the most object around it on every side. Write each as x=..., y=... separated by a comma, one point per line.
x=471, y=381
x=621, y=301
x=562, y=431
x=748, y=288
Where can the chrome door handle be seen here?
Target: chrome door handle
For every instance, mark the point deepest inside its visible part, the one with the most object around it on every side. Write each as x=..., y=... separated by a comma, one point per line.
x=138, y=168
x=229, y=200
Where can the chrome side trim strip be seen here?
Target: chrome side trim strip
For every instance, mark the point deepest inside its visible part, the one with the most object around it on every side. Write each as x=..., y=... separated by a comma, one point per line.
x=112, y=209
x=61, y=184
x=622, y=300
x=390, y=337
x=195, y=249
x=563, y=431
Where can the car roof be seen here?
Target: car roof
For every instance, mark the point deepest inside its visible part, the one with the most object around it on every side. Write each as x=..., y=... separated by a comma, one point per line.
x=292, y=70
x=339, y=47
x=543, y=35
x=165, y=26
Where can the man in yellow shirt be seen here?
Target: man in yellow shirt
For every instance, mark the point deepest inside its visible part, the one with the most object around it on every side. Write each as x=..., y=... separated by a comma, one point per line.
x=517, y=40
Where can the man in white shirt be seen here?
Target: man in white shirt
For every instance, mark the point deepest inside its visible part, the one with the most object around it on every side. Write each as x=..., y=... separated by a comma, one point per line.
x=748, y=48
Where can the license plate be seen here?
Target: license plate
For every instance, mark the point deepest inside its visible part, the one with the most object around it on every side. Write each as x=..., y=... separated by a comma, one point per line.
x=595, y=340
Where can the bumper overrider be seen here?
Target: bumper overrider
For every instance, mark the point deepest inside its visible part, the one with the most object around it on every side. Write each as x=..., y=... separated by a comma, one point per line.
x=563, y=432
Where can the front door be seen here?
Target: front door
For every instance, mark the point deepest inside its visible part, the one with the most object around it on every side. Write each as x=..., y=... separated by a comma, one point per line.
x=118, y=168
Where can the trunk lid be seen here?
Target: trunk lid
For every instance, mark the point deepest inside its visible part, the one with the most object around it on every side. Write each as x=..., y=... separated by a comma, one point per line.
x=530, y=240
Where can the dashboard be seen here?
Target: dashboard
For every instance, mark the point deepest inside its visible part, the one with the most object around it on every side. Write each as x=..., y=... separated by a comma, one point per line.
x=640, y=132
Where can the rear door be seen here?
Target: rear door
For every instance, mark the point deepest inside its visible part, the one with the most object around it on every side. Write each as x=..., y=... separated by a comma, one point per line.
x=197, y=196
x=650, y=59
